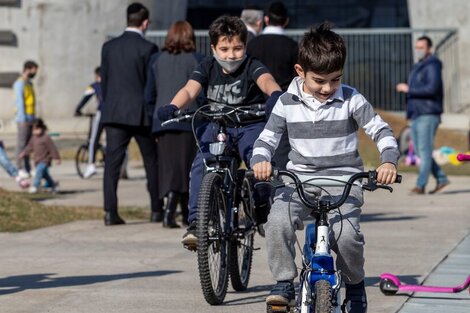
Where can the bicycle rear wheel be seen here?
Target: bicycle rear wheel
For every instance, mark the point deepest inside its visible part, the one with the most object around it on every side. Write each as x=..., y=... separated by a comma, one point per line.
x=241, y=250
x=81, y=159
x=213, y=247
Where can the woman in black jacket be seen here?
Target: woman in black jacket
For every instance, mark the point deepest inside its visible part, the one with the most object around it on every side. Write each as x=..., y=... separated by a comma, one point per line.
x=168, y=73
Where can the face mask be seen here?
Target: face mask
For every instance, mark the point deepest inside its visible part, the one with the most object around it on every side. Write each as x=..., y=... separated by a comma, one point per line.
x=31, y=75
x=420, y=54
x=229, y=66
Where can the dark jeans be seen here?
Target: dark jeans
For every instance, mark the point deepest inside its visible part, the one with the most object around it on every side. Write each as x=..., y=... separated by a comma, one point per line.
x=117, y=140
x=244, y=138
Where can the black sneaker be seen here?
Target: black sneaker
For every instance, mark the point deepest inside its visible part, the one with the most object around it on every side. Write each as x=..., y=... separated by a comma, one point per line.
x=356, y=299
x=283, y=294
x=190, y=237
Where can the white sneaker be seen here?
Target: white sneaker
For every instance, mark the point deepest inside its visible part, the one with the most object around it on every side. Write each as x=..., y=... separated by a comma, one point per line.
x=90, y=171
x=32, y=189
x=22, y=182
x=22, y=174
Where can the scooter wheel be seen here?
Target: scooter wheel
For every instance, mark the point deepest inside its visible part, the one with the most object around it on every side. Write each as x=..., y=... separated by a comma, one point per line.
x=388, y=287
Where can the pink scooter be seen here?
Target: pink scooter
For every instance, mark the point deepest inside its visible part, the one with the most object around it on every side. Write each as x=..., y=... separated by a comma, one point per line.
x=390, y=284
x=463, y=157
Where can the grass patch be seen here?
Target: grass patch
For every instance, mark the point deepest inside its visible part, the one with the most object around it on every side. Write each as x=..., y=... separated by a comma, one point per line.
x=21, y=212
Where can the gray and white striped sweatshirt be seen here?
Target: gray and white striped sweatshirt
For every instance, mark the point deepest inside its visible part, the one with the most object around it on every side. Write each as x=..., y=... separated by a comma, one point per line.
x=323, y=137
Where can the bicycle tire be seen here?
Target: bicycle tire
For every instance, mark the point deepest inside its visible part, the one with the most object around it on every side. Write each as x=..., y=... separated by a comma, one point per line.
x=241, y=251
x=81, y=159
x=213, y=248
x=323, y=297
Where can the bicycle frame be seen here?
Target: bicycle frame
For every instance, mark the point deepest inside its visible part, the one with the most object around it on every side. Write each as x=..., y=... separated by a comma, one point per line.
x=318, y=263
x=224, y=239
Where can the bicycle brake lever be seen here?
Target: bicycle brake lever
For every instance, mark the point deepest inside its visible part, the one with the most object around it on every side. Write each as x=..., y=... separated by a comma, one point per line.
x=385, y=187
x=373, y=187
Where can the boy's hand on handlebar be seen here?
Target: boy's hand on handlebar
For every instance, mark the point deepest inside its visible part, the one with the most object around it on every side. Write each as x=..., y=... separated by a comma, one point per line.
x=386, y=173
x=167, y=112
x=262, y=170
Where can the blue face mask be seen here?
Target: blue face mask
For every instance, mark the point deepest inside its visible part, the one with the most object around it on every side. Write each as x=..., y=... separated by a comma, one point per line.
x=229, y=66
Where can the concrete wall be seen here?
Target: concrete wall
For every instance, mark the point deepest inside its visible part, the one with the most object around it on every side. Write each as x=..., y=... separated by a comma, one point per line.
x=441, y=14
x=65, y=38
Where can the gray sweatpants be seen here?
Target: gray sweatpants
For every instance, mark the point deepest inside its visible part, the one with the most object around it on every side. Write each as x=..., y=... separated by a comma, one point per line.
x=280, y=236
x=22, y=138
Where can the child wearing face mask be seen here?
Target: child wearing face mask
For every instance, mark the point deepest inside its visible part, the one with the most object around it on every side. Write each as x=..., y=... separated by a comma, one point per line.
x=230, y=77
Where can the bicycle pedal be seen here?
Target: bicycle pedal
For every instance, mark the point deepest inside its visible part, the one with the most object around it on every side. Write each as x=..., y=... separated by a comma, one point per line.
x=278, y=309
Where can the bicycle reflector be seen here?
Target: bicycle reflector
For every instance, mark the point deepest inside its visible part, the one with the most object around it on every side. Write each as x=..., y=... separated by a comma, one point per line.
x=217, y=148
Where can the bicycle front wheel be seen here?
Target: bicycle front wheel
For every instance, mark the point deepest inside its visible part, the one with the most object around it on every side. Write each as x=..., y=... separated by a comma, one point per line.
x=241, y=250
x=81, y=160
x=213, y=247
x=323, y=297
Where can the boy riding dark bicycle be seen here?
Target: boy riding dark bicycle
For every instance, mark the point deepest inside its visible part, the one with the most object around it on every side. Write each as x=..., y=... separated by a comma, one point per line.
x=322, y=117
x=229, y=77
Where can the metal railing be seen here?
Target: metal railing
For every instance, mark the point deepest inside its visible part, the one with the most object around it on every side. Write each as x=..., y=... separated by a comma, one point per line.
x=377, y=60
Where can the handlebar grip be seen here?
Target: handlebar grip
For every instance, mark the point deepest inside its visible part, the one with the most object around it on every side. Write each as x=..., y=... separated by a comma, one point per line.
x=398, y=179
x=249, y=174
x=463, y=157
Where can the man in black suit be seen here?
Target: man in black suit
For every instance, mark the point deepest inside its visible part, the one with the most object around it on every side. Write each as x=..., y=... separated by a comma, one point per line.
x=279, y=53
x=125, y=115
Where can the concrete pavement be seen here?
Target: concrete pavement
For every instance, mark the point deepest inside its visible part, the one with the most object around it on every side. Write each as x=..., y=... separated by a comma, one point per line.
x=141, y=267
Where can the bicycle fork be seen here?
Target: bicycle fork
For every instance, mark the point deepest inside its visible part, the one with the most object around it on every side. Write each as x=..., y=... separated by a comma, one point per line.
x=318, y=264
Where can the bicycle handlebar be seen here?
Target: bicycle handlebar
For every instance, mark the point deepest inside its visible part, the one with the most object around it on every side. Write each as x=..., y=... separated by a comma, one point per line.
x=371, y=185
x=216, y=112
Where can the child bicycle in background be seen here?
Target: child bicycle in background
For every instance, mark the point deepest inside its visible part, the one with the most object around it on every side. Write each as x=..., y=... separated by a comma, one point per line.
x=321, y=116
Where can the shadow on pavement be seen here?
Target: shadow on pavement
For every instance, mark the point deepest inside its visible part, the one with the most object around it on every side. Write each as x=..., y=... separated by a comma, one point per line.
x=405, y=279
x=453, y=192
x=384, y=217
x=14, y=284
x=249, y=300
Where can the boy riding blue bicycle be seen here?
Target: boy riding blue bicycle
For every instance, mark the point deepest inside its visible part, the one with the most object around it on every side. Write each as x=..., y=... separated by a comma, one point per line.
x=229, y=77
x=322, y=117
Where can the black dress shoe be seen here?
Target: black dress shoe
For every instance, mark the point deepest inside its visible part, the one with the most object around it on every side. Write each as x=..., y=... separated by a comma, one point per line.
x=113, y=219
x=156, y=217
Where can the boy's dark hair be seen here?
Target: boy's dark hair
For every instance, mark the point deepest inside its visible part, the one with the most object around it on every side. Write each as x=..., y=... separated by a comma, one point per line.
x=322, y=51
x=98, y=70
x=39, y=123
x=229, y=26
x=277, y=14
x=137, y=13
x=29, y=65
x=427, y=39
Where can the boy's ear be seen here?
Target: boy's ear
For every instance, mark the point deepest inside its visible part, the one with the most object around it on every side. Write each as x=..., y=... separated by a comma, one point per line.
x=299, y=70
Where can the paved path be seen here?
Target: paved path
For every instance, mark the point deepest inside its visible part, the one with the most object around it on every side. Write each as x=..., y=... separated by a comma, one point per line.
x=141, y=267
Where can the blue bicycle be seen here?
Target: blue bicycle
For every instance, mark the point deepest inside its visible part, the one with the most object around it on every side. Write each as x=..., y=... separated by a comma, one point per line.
x=320, y=283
